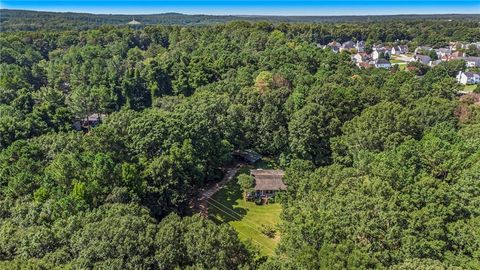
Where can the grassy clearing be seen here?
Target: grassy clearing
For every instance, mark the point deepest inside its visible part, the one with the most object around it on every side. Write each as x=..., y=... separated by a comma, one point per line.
x=227, y=205
x=470, y=87
x=398, y=62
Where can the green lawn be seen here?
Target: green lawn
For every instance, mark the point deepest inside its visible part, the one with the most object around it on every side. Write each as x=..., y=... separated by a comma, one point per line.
x=227, y=205
x=265, y=163
x=400, y=62
x=470, y=87
x=400, y=66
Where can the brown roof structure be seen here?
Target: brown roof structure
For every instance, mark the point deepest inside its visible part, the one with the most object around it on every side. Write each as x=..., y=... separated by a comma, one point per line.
x=457, y=54
x=268, y=179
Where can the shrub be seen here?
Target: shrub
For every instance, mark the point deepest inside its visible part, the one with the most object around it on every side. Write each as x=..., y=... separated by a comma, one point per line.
x=271, y=199
x=268, y=230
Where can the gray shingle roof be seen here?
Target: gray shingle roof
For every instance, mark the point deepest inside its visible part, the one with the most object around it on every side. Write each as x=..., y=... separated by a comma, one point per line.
x=348, y=45
x=382, y=61
x=470, y=74
x=248, y=155
x=424, y=59
x=268, y=179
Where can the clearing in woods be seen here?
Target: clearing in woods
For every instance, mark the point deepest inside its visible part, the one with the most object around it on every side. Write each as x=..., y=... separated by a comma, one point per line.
x=248, y=219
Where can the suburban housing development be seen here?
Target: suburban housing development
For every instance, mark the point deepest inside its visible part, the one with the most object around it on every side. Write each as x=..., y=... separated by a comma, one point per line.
x=387, y=56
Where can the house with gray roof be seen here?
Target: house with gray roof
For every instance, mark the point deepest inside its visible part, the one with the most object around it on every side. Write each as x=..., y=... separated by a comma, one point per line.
x=347, y=46
x=380, y=52
x=88, y=122
x=360, y=46
x=424, y=59
x=441, y=52
x=361, y=57
x=268, y=182
x=400, y=49
x=468, y=77
x=334, y=46
x=382, y=63
x=471, y=61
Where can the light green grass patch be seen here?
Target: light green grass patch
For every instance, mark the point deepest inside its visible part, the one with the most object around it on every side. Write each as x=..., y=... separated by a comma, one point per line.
x=398, y=62
x=470, y=87
x=227, y=205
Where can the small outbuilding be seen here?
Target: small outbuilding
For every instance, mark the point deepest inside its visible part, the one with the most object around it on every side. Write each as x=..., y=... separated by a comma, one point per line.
x=248, y=155
x=88, y=122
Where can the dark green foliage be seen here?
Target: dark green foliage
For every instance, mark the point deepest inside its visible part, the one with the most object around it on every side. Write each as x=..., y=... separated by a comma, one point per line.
x=396, y=205
x=195, y=241
x=382, y=166
x=246, y=182
x=268, y=230
x=477, y=89
x=121, y=236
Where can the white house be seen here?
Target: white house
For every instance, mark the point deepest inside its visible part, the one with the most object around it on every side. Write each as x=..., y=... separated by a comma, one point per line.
x=360, y=46
x=334, y=46
x=443, y=52
x=377, y=52
x=400, y=49
x=424, y=59
x=361, y=57
x=468, y=78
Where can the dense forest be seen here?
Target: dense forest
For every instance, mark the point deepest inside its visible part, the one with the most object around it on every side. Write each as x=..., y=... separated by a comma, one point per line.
x=382, y=166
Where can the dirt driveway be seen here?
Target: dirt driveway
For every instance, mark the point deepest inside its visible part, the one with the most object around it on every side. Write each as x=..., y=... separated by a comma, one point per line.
x=201, y=201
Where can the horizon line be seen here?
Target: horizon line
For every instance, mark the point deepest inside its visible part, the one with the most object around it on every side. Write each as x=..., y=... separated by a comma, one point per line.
x=238, y=15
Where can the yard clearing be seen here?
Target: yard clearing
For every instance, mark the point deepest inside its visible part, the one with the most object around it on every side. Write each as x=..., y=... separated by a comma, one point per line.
x=227, y=205
x=470, y=87
x=394, y=61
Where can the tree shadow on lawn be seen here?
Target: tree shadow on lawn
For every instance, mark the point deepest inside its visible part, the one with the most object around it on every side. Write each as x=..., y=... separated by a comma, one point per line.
x=266, y=164
x=224, y=206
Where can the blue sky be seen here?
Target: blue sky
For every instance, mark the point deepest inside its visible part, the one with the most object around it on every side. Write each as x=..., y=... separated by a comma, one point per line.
x=251, y=7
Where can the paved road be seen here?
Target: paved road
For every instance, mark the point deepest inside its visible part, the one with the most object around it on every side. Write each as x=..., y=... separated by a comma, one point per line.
x=201, y=204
